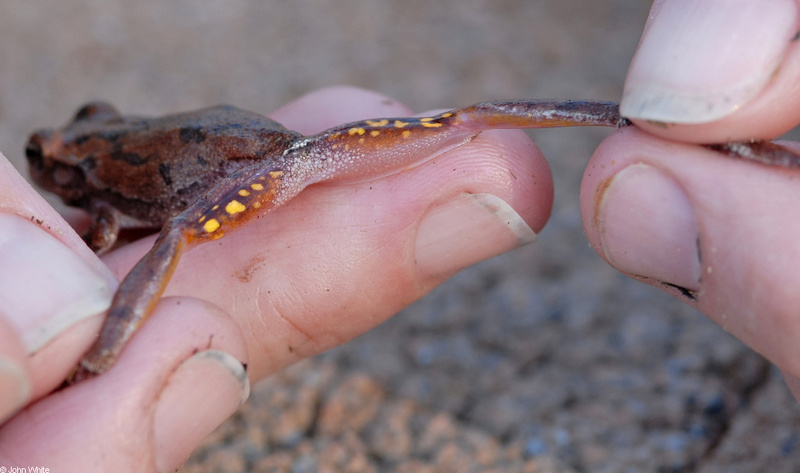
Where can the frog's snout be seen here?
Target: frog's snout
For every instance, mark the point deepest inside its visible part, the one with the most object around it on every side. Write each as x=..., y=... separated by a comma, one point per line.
x=44, y=169
x=34, y=150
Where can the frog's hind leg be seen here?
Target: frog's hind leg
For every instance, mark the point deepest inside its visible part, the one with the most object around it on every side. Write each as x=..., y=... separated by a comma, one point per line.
x=133, y=302
x=538, y=114
x=378, y=147
x=245, y=194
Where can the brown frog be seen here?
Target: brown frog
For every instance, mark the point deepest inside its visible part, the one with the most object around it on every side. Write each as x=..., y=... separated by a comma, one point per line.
x=199, y=174
x=130, y=172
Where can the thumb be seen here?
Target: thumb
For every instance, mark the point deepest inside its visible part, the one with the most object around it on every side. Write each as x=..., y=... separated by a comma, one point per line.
x=716, y=232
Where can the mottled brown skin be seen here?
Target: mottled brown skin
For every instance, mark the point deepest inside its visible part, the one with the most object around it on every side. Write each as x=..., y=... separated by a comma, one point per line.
x=131, y=172
x=197, y=175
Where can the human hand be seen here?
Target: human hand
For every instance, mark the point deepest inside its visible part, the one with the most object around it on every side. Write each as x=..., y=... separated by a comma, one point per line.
x=716, y=232
x=335, y=262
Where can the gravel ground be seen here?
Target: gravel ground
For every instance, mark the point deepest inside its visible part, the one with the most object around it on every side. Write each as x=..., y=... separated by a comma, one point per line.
x=542, y=360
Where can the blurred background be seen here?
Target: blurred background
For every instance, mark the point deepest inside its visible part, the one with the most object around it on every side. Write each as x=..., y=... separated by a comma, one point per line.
x=541, y=360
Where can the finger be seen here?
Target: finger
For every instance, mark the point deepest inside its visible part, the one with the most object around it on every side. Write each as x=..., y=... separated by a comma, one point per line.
x=793, y=382
x=339, y=259
x=151, y=409
x=325, y=108
x=51, y=285
x=709, y=71
x=718, y=233
x=15, y=383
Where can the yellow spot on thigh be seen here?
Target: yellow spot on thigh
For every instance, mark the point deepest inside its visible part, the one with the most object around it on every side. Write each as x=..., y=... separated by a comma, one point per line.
x=257, y=187
x=447, y=115
x=276, y=174
x=431, y=125
x=244, y=192
x=234, y=207
x=215, y=207
x=202, y=219
x=400, y=124
x=211, y=226
x=406, y=133
x=374, y=133
x=426, y=119
x=383, y=122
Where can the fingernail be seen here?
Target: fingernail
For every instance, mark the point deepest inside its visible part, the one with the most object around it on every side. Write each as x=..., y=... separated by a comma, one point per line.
x=15, y=387
x=647, y=227
x=468, y=229
x=45, y=287
x=700, y=60
x=204, y=391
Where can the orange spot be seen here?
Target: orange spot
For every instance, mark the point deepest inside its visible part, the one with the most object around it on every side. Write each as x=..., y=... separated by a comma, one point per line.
x=400, y=124
x=431, y=125
x=257, y=187
x=383, y=122
x=406, y=133
x=374, y=133
x=244, y=192
x=276, y=174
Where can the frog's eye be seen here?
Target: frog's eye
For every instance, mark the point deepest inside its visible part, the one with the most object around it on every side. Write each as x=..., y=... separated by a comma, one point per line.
x=97, y=111
x=33, y=150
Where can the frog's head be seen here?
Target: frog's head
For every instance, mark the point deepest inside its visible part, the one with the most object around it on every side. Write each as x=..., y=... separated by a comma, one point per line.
x=57, y=159
x=50, y=168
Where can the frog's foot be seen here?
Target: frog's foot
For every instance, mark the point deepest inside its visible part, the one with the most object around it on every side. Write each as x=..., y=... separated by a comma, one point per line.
x=105, y=228
x=78, y=374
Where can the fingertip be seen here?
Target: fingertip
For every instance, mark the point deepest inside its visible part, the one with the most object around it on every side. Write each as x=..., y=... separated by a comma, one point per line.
x=745, y=223
x=109, y=418
x=203, y=392
x=324, y=108
x=716, y=71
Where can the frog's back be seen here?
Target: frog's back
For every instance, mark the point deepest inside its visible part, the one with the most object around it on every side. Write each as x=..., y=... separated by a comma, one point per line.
x=154, y=167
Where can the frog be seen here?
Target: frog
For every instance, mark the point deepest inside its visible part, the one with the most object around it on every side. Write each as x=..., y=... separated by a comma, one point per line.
x=198, y=175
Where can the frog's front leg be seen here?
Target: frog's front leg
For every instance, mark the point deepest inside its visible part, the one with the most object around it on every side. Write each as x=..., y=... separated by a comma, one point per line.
x=104, y=228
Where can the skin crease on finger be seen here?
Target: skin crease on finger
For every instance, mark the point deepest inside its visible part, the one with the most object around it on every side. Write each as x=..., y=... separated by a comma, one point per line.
x=747, y=241
x=292, y=306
